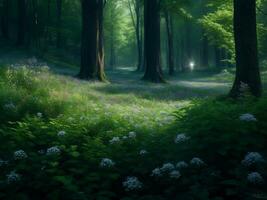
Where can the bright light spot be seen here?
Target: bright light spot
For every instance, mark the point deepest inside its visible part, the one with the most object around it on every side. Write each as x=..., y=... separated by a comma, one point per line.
x=191, y=65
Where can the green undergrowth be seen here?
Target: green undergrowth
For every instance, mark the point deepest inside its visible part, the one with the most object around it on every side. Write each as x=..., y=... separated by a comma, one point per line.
x=40, y=110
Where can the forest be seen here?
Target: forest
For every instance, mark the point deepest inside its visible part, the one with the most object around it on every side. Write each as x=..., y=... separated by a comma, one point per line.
x=133, y=99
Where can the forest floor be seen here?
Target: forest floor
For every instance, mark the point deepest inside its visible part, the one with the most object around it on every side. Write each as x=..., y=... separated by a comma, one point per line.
x=66, y=127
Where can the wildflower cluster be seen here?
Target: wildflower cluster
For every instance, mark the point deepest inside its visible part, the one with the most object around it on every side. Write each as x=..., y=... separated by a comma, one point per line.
x=53, y=151
x=181, y=138
x=106, y=163
x=20, y=155
x=252, y=158
x=12, y=177
x=132, y=183
x=248, y=117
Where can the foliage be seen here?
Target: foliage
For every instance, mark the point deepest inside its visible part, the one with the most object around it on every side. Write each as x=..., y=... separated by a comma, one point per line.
x=67, y=118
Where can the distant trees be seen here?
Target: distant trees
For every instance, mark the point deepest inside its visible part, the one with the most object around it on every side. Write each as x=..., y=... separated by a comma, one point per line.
x=245, y=34
x=153, y=70
x=92, y=66
x=135, y=7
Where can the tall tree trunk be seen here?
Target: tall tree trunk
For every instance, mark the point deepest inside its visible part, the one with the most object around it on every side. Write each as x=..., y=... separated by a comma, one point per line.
x=245, y=32
x=112, y=44
x=59, y=23
x=101, y=54
x=5, y=19
x=152, y=42
x=89, y=39
x=169, y=27
x=92, y=53
x=138, y=34
x=21, y=22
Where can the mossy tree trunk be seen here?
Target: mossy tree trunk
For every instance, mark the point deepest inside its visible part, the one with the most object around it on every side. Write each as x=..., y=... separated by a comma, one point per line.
x=245, y=32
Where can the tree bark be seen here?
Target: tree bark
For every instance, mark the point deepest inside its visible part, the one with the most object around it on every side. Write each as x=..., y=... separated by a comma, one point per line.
x=21, y=22
x=245, y=33
x=169, y=27
x=152, y=42
x=92, y=53
x=5, y=19
x=89, y=41
x=101, y=54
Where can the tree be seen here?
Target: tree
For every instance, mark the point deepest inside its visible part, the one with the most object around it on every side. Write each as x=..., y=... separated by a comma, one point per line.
x=101, y=54
x=59, y=22
x=5, y=19
x=91, y=44
x=245, y=34
x=21, y=22
x=152, y=41
x=135, y=12
x=169, y=28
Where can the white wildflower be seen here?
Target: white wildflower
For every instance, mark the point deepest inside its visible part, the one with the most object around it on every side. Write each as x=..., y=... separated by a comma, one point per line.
x=125, y=137
x=132, y=135
x=167, y=167
x=40, y=115
x=132, y=183
x=143, y=152
x=20, y=155
x=175, y=174
x=3, y=162
x=12, y=177
x=114, y=140
x=181, y=165
x=53, y=151
x=106, y=162
x=9, y=106
x=61, y=133
x=252, y=158
x=255, y=178
x=156, y=172
x=197, y=162
x=181, y=138
x=248, y=117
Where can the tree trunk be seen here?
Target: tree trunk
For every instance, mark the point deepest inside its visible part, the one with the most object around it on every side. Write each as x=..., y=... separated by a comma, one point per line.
x=101, y=54
x=92, y=53
x=89, y=41
x=5, y=19
x=245, y=32
x=21, y=22
x=59, y=23
x=112, y=45
x=138, y=34
x=169, y=27
x=152, y=42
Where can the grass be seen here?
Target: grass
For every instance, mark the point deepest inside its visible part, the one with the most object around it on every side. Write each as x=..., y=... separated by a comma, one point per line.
x=36, y=104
